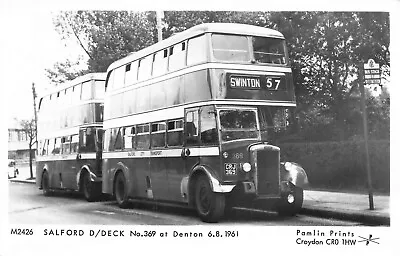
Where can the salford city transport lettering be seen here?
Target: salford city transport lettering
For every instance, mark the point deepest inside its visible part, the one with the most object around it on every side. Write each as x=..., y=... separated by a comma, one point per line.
x=192, y=120
x=70, y=121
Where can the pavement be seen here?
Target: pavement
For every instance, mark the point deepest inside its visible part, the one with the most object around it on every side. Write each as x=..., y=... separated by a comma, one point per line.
x=327, y=204
x=347, y=206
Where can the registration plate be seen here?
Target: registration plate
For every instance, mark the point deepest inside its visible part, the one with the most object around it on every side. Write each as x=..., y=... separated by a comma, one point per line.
x=230, y=168
x=262, y=82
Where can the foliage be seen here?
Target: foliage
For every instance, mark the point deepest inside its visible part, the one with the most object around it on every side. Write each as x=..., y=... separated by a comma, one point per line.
x=106, y=36
x=341, y=165
x=64, y=71
x=327, y=49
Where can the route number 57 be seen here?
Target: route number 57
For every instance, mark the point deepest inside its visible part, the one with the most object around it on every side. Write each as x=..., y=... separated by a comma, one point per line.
x=273, y=83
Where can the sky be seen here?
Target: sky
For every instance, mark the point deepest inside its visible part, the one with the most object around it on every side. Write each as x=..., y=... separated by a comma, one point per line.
x=34, y=47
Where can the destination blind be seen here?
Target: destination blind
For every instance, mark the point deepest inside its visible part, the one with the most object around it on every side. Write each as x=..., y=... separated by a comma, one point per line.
x=248, y=82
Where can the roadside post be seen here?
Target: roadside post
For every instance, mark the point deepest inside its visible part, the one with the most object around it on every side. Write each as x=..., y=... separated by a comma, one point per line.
x=371, y=76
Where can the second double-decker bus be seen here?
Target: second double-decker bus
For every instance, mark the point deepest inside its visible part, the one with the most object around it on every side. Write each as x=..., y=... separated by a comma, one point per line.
x=70, y=122
x=191, y=120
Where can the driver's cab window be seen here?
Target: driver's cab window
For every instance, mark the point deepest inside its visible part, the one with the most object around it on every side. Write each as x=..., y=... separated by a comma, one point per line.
x=208, y=132
x=87, y=140
x=192, y=127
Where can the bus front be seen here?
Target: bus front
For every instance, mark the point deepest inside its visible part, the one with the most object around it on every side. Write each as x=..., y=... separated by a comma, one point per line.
x=252, y=85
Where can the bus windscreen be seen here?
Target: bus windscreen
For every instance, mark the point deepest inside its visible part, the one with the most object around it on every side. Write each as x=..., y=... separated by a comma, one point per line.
x=230, y=48
x=238, y=124
x=235, y=48
x=269, y=50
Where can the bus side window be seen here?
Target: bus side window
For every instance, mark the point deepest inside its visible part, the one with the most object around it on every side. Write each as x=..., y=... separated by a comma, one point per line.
x=197, y=52
x=177, y=56
x=145, y=67
x=40, y=152
x=119, y=77
x=107, y=140
x=143, y=136
x=74, y=143
x=158, y=135
x=57, y=146
x=175, y=133
x=66, y=144
x=51, y=147
x=131, y=73
x=129, y=137
x=86, y=93
x=44, y=149
x=191, y=127
x=99, y=139
x=87, y=140
x=209, y=134
x=160, y=62
x=119, y=139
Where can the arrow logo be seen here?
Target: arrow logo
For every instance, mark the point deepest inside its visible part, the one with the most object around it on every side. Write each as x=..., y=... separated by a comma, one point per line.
x=368, y=240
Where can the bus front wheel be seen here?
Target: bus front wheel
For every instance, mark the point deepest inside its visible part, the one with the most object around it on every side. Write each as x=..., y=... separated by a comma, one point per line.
x=46, y=184
x=121, y=190
x=91, y=190
x=210, y=206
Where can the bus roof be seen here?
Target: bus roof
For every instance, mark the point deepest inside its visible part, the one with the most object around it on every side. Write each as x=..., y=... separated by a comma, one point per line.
x=78, y=80
x=228, y=28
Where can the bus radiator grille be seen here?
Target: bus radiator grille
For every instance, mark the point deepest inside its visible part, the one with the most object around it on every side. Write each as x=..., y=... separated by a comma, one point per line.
x=268, y=172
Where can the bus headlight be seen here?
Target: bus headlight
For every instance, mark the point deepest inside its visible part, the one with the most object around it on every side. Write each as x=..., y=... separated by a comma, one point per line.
x=289, y=166
x=246, y=167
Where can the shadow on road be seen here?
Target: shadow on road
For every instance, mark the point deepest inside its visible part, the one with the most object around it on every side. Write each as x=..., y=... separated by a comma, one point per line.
x=234, y=215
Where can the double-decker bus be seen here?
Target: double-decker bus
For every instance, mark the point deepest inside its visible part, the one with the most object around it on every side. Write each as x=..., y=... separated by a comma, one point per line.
x=70, y=121
x=191, y=120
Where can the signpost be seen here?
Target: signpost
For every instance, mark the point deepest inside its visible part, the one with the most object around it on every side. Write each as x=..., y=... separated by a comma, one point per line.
x=371, y=76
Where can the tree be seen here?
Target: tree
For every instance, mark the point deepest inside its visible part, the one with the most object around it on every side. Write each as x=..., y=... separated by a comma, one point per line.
x=28, y=126
x=327, y=49
x=106, y=36
x=64, y=71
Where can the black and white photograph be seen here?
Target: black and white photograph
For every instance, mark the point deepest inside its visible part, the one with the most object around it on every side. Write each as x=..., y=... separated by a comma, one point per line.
x=210, y=129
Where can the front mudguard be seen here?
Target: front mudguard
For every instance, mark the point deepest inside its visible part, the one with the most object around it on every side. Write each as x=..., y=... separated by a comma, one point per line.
x=93, y=177
x=294, y=173
x=188, y=183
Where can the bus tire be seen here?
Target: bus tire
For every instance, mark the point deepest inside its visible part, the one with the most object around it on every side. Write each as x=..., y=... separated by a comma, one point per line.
x=121, y=192
x=46, y=184
x=91, y=190
x=287, y=209
x=210, y=206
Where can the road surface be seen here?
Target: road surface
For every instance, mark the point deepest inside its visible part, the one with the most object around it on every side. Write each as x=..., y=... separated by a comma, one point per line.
x=27, y=205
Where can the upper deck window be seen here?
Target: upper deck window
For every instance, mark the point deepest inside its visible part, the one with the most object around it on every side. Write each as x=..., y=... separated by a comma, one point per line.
x=119, y=77
x=86, y=90
x=160, y=62
x=269, y=50
x=230, y=48
x=145, y=66
x=236, y=48
x=131, y=73
x=197, y=50
x=99, y=89
x=177, y=56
